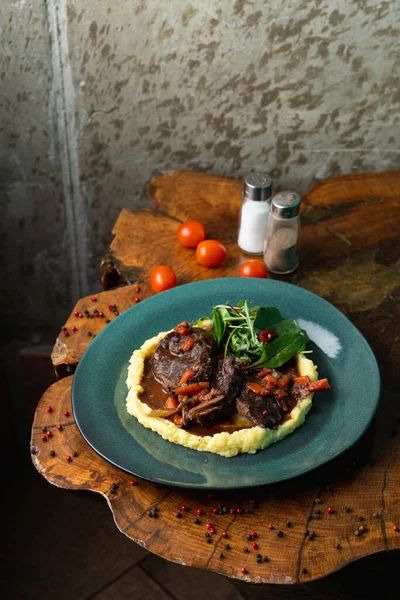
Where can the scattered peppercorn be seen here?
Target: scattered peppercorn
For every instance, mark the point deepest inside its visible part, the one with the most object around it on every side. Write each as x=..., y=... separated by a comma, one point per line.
x=265, y=558
x=225, y=534
x=68, y=458
x=66, y=413
x=330, y=510
x=221, y=555
x=227, y=547
x=44, y=437
x=89, y=333
x=59, y=427
x=137, y=289
x=49, y=434
x=254, y=545
x=288, y=523
x=74, y=454
x=137, y=299
x=270, y=526
x=243, y=570
x=199, y=511
x=317, y=511
x=362, y=529
x=178, y=515
x=279, y=533
x=239, y=511
x=212, y=530
x=113, y=488
x=93, y=298
x=338, y=546
x=52, y=453
x=184, y=508
x=347, y=509
x=215, y=510
x=232, y=511
x=49, y=409
x=207, y=535
x=44, y=428
x=311, y=535
x=357, y=533
x=258, y=558
x=376, y=515
x=133, y=482
x=33, y=450
x=304, y=570
x=209, y=540
x=396, y=528
x=245, y=549
x=318, y=501
x=196, y=521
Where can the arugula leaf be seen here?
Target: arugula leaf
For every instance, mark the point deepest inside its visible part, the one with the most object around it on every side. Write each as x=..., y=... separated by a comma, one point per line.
x=279, y=351
x=219, y=325
x=267, y=318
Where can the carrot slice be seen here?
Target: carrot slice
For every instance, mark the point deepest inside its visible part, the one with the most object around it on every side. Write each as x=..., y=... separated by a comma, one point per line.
x=270, y=379
x=321, y=384
x=304, y=379
x=188, y=344
x=264, y=372
x=171, y=402
x=257, y=388
x=283, y=381
x=177, y=419
x=186, y=376
x=191, y=389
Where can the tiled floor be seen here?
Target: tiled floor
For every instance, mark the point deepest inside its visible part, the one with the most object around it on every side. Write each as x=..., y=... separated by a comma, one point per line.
x=64, y=545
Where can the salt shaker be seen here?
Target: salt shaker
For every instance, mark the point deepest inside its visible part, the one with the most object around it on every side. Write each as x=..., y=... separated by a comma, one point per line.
x=254, y=213
x=281, y=253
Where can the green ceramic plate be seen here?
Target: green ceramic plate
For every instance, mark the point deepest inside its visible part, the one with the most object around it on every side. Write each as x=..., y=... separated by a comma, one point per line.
x=336, y=421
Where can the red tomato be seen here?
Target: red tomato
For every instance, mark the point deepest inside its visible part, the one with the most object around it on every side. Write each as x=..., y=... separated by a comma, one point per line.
x=190, y=234
x=253, y=268
x=162, y=278
x=210, y=253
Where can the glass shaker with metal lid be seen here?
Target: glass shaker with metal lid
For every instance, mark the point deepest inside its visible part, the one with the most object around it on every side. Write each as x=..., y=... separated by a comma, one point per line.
x=254, y=213
x=281, y=253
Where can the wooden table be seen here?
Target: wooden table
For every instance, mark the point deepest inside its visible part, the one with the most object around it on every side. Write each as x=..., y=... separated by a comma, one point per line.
x=350, y=253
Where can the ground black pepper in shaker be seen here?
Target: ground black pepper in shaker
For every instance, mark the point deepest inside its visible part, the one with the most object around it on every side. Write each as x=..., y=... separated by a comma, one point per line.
x=281, y=253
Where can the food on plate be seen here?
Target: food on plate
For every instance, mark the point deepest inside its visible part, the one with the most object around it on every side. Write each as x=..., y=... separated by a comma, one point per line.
x=233, y=382
x=162, y=278
x=253, y=268
x=190, y=234
x=210, y=253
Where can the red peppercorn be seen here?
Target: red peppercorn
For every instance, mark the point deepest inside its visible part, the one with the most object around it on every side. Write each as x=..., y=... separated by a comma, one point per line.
x=66, y=413
x=255, y=545
x=80, y=315
x=239, y=511
x=232, y=511
x=60, y=427
x=44, y=438
x=73, y=328
x=68, y=458
x=270, y=526
x=49, y=434
x=212, y=530
x=137, y=288
x=137, y=300
x=110, y=307
x=243, y=570
x=133, y=482
x=76, y=313
x=184, y=508
x=66, y=333
x=330, y=510
x=93, y=298
x=215, y=510
x=225, y=534
x=199, y=511
x=267, y=335
x=254, y=534
x=49, y=409
x=252, y=501
x=396, y=527
x=208, y=525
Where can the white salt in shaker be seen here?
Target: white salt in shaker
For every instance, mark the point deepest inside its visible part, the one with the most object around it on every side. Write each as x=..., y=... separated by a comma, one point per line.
x=254, y=213
x=281, y=254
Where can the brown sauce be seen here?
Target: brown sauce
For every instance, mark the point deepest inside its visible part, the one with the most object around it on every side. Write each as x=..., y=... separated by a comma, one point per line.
x=154, y=396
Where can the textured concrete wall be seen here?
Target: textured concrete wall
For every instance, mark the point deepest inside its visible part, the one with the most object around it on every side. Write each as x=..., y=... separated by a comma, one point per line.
x=302, y=89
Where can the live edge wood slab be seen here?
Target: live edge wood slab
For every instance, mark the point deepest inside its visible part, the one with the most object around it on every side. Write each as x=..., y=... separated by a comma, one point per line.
x=350, y=250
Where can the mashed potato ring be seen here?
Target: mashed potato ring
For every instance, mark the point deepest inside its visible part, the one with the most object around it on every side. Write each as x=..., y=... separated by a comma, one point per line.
x=248, y=440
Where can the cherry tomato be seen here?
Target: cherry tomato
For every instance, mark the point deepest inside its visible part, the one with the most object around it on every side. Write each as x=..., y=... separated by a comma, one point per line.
x=162, y=278
x=190, y=234
x=210, y=253
x=253, y=268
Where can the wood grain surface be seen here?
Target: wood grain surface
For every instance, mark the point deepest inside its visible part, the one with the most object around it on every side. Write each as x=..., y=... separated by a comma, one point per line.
x=350, y=253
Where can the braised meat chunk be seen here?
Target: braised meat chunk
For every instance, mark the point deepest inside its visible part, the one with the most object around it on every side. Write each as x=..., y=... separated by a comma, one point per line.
x=177, y=354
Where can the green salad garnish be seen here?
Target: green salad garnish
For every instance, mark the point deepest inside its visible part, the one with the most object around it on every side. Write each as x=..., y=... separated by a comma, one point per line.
x=259, y=335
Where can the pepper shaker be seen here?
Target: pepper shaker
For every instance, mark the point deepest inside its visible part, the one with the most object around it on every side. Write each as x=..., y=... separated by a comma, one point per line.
x=281, y=253
x=254, y=213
